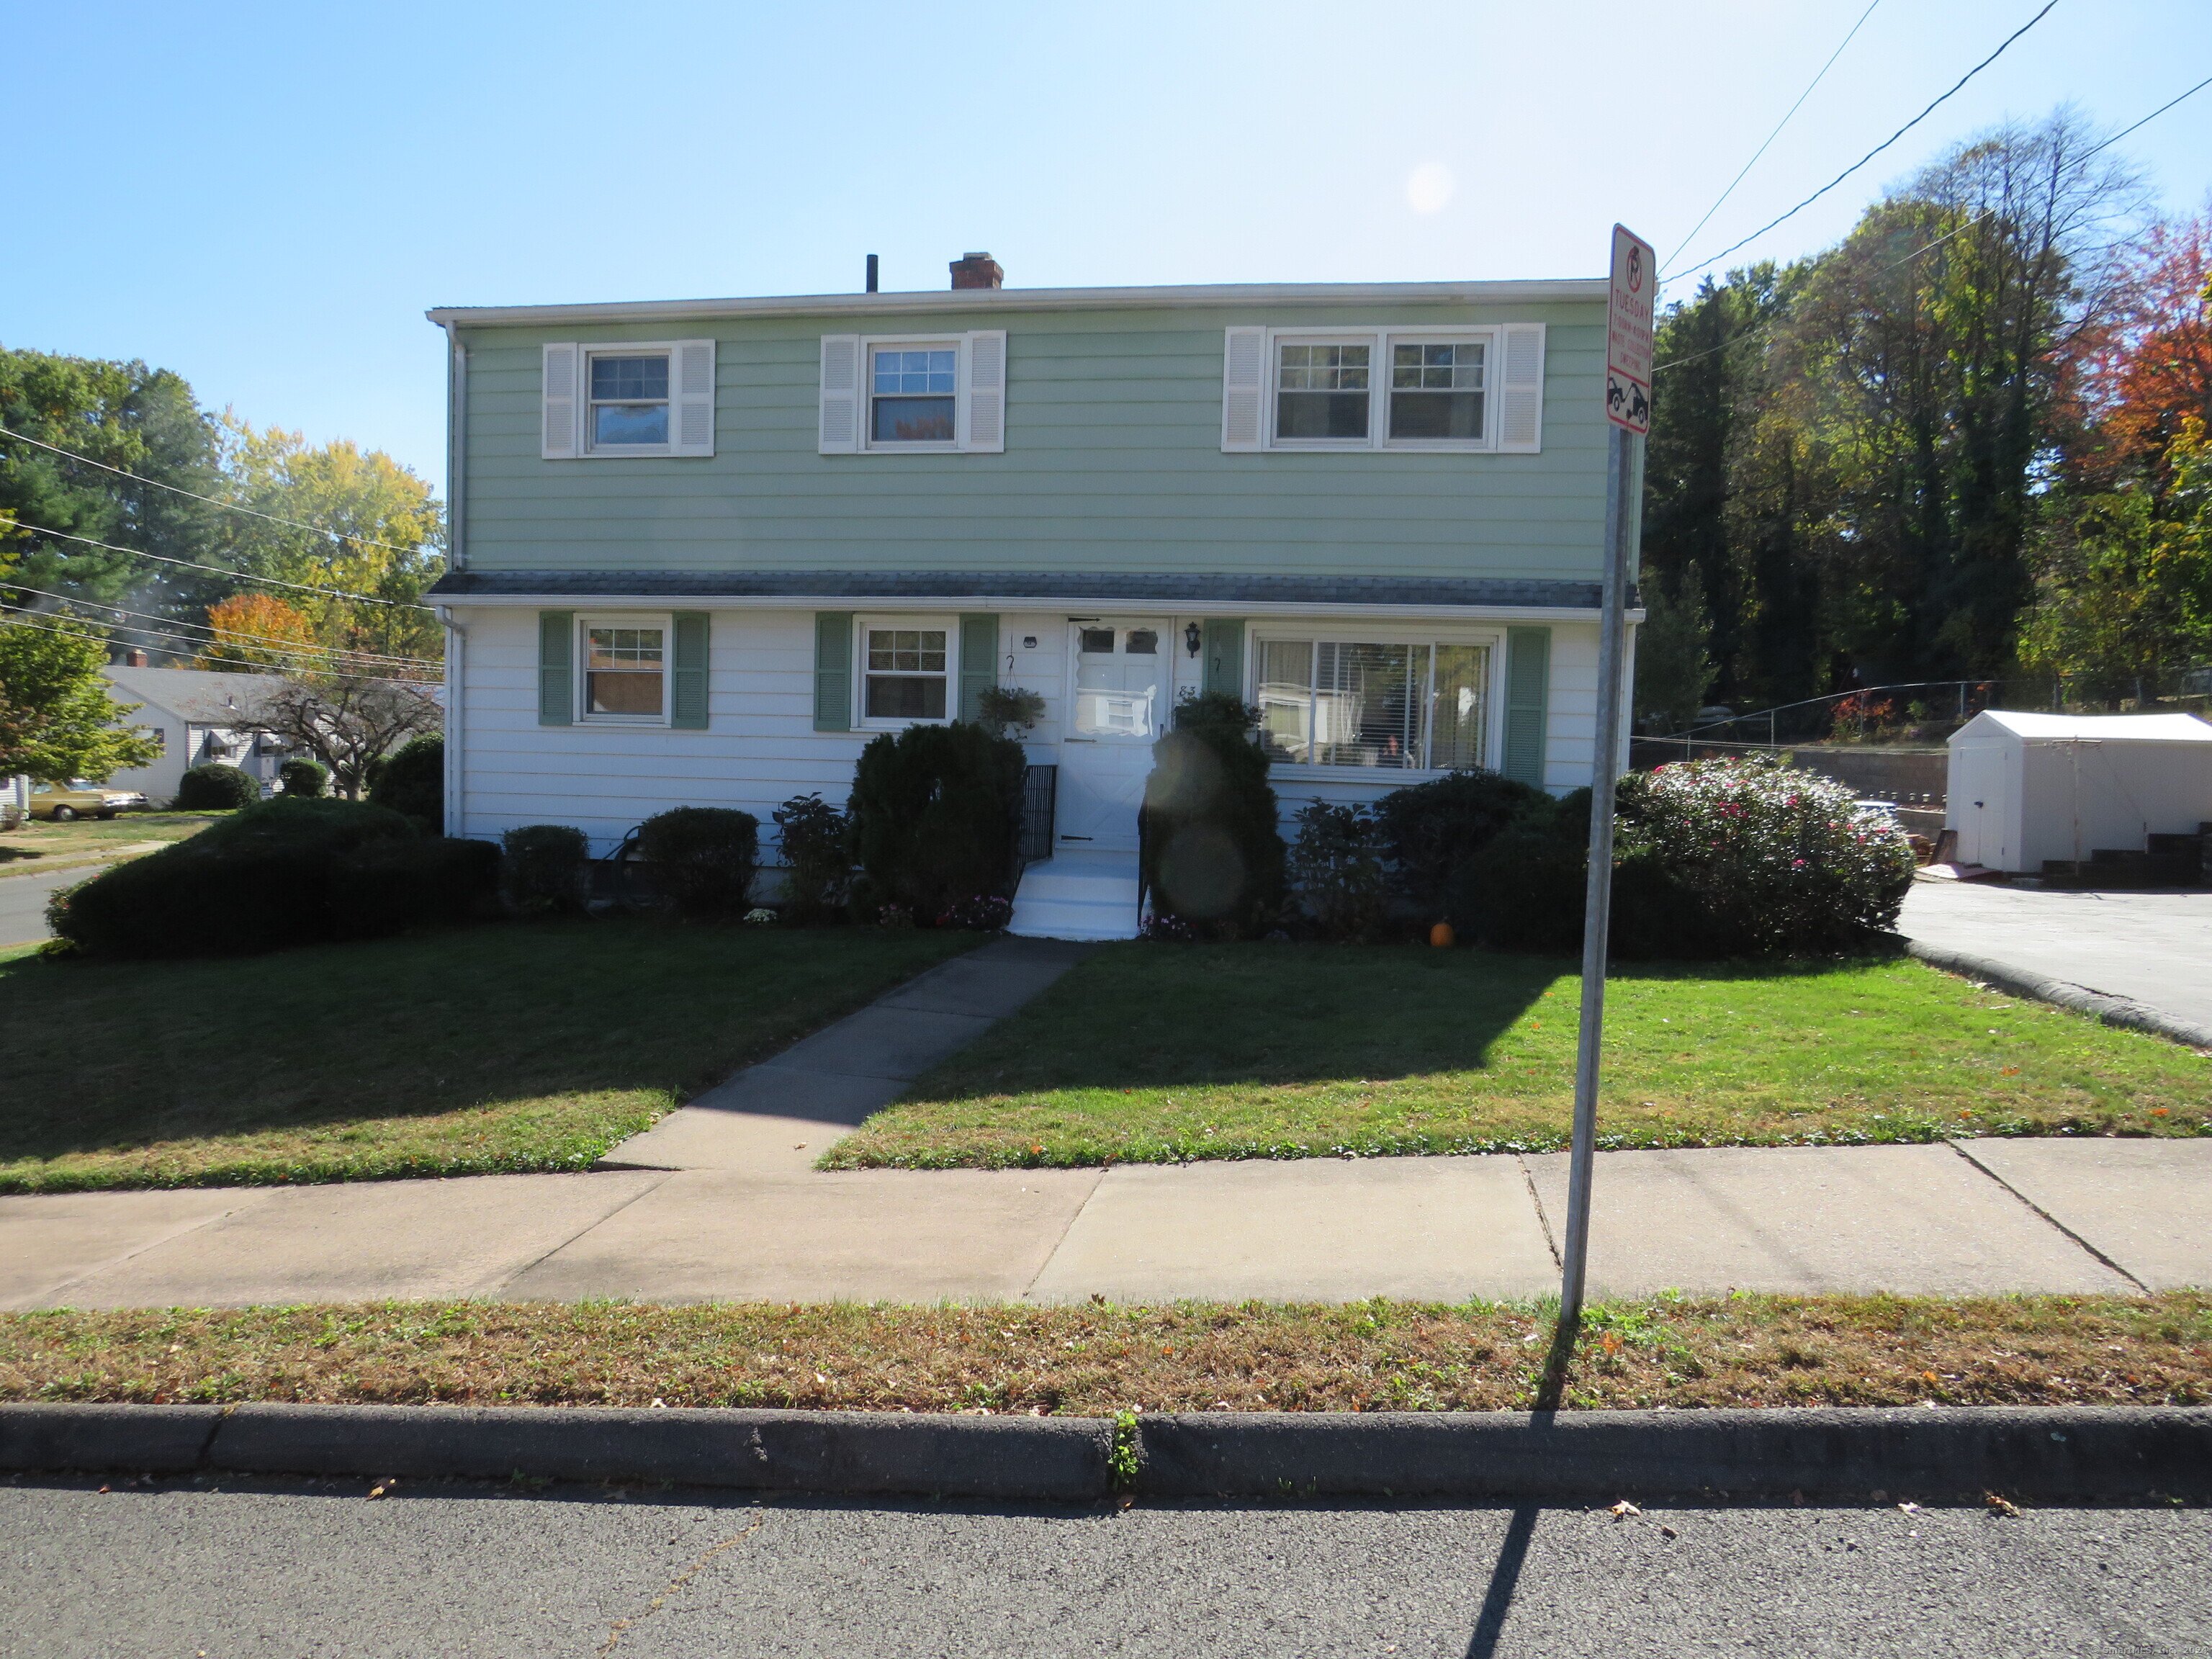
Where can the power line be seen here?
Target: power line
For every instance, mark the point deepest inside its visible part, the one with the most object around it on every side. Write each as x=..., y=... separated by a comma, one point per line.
x=291, y=661
x=229, y=507
x=98, y=639
x=221, y=633
x=1876, y=150
x=217, y=569
x=1776, y=133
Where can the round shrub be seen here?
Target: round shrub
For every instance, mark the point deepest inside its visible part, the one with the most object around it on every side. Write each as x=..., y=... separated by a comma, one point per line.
x=257, y=881
x=1428, y=832
x=702, y=858
x=212, y=786
x=1335, y=868
x=542, y=869
x=1212, y=849
x=1522, y=890
x=936, y=817
x=303, y=777
x=412, y=780
x=816, y=842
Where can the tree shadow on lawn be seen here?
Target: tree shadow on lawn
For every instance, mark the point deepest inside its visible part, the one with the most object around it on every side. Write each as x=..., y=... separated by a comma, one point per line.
x=112, y=1056
x=1150, y=1016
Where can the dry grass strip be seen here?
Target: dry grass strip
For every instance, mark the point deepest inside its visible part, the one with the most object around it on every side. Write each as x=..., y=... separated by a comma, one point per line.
x=1740, y=1350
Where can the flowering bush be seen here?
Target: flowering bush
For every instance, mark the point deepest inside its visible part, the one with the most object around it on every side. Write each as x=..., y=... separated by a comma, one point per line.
x=761, y=916
x=1771, y=860
x=1171, y=929
x=986, y=913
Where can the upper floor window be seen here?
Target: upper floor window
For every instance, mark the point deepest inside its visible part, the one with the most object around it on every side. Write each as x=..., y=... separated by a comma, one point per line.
x=1426, y=388
x=914, y=394
x=628, y=400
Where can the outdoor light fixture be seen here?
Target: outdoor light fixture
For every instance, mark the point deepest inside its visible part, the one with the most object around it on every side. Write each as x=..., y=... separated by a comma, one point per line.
x=1191, y=637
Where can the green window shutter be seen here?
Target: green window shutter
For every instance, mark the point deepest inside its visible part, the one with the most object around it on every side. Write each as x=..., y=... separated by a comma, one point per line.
x=1224, y=654
x=979, y=660
x=557, y=650
x=1528, y=702
x=687, y=687
x=832, y=670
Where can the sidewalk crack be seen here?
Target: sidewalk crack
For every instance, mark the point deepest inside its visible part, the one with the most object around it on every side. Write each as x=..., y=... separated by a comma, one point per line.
x=1528, y=1176
x=1959, y=1147
x=666, y=1175
x=1045, y=1266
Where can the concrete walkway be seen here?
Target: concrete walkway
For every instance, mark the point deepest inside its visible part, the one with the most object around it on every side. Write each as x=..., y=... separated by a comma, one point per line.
x=1979, y=1217
x=2155, y=948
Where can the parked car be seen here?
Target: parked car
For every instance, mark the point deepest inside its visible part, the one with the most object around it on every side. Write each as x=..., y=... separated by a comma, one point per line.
x=63, y=801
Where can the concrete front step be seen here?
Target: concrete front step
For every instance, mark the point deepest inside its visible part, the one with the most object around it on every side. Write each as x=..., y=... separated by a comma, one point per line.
x=1077, y=896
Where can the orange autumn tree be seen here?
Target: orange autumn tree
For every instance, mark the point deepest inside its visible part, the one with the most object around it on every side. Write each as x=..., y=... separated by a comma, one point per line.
x=255, y=633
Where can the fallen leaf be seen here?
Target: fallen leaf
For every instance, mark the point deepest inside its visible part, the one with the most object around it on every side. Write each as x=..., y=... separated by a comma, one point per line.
x=1999, y=1506
x=1623, y=1509
x=1909, y=1509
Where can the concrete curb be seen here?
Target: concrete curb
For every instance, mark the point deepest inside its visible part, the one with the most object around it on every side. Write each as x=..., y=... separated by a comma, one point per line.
x=2027, y=1452
x=2110, y=1010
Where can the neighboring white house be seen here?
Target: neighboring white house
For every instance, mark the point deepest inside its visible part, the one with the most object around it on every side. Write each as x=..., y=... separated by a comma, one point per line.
x=191, y=712
x=2026, y=789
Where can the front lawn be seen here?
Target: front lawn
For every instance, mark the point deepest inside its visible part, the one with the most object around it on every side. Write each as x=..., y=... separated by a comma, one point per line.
x=1090, y=1360
x=40, y=844
x=526, y=1047
x=1156, y=1052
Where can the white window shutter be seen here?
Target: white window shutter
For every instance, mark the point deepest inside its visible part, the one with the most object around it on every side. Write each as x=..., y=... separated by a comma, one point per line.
x=691, y=376
x=841, y=394
x=1521, y=389
x=987, y=392
x=1244, y=388
x=560, y=433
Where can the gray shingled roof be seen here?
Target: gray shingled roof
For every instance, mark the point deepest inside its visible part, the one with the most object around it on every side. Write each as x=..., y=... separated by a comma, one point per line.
x=189, y=693
x=1055, y=586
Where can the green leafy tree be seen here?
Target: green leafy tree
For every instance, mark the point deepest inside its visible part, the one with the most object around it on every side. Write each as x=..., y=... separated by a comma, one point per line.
x=1674, y=662
x=56, y=721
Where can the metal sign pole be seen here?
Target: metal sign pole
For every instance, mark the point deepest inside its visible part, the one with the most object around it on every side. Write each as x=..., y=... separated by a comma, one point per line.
x=1628, y=410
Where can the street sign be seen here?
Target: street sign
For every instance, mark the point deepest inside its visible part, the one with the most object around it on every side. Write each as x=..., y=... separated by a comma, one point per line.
x=1628, y=332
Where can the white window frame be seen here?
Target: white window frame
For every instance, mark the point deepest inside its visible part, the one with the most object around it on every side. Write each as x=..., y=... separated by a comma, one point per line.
x=663, y=620
x=862, y=624
x=866, y=439
x=586, y=446
x=1380, y=341
x=1356, y=633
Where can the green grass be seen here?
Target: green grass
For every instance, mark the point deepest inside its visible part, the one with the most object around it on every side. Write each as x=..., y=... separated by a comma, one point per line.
x=494, y=1049
x=41, y=844
x=1154, y=1053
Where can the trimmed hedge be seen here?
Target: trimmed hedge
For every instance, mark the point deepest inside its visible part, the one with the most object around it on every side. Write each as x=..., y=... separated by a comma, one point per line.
x=702, y=858
x=936, y=817
x=1428, y=832
x=542, y=869
x=1211, y=850
x=389, y=886
x=303, y=778
x=212, y=786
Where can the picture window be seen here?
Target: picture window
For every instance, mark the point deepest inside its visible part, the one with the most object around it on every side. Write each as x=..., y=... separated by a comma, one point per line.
x=1414, y=705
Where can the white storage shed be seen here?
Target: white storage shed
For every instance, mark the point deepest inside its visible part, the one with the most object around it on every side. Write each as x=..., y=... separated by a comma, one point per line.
x=2024, y=788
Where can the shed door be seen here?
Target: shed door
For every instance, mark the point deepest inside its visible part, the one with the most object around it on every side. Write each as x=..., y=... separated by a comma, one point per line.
x=1978, y=801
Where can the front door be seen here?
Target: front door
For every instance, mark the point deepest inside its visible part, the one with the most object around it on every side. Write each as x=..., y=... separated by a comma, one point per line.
x=1114, y=708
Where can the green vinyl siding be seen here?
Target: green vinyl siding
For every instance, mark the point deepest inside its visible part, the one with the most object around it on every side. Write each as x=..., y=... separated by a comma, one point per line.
x=1113, y=463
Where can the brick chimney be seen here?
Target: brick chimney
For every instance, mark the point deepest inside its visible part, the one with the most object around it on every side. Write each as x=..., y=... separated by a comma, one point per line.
x=134, y=658
x=977, y=271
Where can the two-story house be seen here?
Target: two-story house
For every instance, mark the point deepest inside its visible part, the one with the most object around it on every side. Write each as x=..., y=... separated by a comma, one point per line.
x=704, y=550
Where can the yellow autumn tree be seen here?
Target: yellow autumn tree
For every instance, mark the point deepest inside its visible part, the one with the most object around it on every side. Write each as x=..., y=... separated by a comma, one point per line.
x=252, y=633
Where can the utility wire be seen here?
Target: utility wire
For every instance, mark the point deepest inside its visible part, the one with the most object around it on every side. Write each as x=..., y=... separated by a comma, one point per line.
x=229, y=507
x=101, y=639
x=1876, y=150
x=221, y=633
x=296, y=660
x=217, y=569
x=1676, y=362
x=1776, y=133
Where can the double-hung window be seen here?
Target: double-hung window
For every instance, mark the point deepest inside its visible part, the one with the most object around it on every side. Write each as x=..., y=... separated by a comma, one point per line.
x=913, y=395
x=625, y=677
x=1465, y=389
x=628, y=397
x=1405, y=704
x=906, y=669
x=635, y=398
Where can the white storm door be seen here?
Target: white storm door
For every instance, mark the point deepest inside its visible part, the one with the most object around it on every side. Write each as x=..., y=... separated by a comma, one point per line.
x=1116, y=703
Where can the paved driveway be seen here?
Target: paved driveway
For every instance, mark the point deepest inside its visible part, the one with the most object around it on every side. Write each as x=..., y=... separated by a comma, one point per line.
x=2154, y=947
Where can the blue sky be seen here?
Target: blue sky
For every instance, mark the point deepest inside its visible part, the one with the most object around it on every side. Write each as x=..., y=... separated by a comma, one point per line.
x=265, y=197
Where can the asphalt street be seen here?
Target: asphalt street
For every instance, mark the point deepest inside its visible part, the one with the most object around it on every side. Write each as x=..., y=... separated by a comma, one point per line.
x=323, y=1571
x=23, y=902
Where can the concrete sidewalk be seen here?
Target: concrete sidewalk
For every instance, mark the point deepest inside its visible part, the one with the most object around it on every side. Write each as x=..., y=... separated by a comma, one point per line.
x=1982, y=1217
